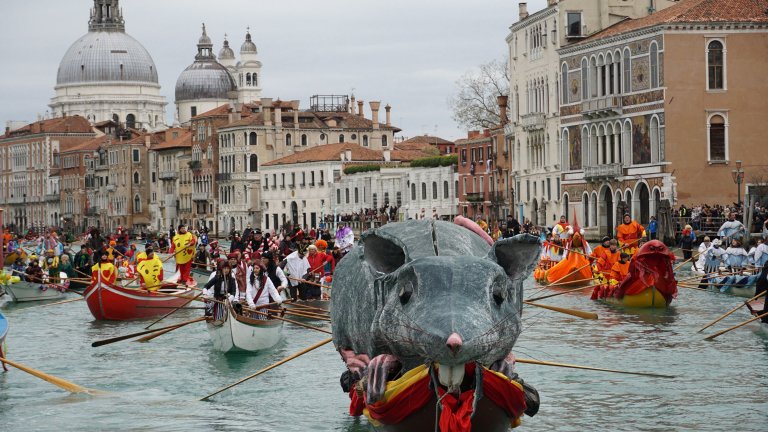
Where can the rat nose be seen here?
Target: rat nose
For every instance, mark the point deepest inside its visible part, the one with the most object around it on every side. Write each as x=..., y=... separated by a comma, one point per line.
x=454, y=342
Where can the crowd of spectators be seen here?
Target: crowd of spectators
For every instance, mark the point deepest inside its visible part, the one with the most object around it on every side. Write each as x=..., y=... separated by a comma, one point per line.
x=709, y=218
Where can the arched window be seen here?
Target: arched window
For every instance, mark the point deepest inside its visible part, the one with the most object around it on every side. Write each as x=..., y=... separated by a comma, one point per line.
x=248, y=79
x=384, y=141
x=130, y=121
x=585, y=208
x=116, y=118
x=413, y=191
x=715, y=65
x=252, y=138
x=446, y=192
x=375, y=201
x=423, y=191
x=718, y=138
x=253, y=163
x=386, y=198
x=303, y=139
x=288, y=140
x=365, y=140
x=255, y=80
x=137, y=204
x=654, y=65
x=584, y=79
x=654, y=131
x=338, y=196
x=341, y=138
x=136, y=178
x=434, y=190
x=564, y=83
x=357, y=195
x=346, y=195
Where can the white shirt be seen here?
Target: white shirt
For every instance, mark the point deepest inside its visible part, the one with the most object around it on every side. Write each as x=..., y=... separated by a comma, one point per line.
x=254, y=288
x=761, y=254
x=296, y=266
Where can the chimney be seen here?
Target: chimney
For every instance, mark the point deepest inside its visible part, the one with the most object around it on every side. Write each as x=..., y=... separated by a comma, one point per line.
x=387, y=156
x=341, y=156
x=523, y=11
x=147, y=141
x=552, y=2
x=352, y=105
x=348, y=154
x=360, y=109
x=375, y=113
x=388, y=109
x=502, y=101
x=266, y=107
x=278, y=116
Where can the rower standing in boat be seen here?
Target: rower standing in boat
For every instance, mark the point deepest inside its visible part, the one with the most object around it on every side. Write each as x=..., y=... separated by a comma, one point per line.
x=761, y=253
x=261, y=290
x=732, y=229
x=297, y=266
x=150, y=270
x=687, y=240
x=221, y=288
x=183, y=245
x=629, y=234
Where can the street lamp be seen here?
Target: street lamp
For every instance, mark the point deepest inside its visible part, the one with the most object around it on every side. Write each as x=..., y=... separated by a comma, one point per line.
x=738, y=178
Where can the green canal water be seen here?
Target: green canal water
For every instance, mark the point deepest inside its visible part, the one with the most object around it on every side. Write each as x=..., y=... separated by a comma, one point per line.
x=720, y=385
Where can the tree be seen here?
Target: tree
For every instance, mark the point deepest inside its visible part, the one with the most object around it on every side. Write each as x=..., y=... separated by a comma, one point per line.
x=474, y=105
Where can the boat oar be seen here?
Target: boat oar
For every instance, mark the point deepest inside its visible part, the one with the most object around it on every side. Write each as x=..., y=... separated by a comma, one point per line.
x=731, y=311
x=562, y=292
x=574, y=312
x=569, y=274
x=572, y=366
x=684, y=262
x=173, y=311
x=171, y=307
x=142, y=333
x=304, y=306
x=308, y=282
x=270, y=367
x=59, y=382
x=308, y=315
x=149, y=337
x=288, y=321
x=59, y=302
x=710, y=337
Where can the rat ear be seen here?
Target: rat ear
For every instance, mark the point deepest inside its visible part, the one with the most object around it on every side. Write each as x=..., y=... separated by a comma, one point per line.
x=382, y=254
x=517, y=255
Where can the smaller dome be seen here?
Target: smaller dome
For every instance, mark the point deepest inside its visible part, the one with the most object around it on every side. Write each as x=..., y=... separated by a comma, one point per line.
x=204, y=39
x=248, y=46
x=226, y=52
x=204, y=80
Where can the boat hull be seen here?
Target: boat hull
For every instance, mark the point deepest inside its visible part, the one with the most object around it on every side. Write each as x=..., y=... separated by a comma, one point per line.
x=238, y=333
x=28, y=292
x=115, y=303
x=649, y=298
x=488, y=418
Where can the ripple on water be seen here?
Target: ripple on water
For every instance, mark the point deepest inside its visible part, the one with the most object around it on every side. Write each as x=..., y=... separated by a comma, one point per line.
x=720, y=385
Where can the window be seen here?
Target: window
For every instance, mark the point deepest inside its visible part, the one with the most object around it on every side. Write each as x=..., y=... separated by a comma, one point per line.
x=715, y=65
x=341, y=138
x=654, y=131
x=346, y=195
x=365, y=140
x=574, y=24
x=434, y=190
x=584, y=79
x=357, y=195
x=627, y=71
x=252, y=139
x=338, y=196
x=384, y=141
x=136, y=178
x=136, y=156
x=253, y=163
x=288, y=139
x=717, y=138
x=423, y=191
x=303, y=139
x=137, y=204
x=445, y=189
x=398, y=198
x=193, y=111
x=375, y=201
x=654, y=65
x=386, y=198
x=130, y=121
x=413, y=191
x=564, y=83
x=463, y=156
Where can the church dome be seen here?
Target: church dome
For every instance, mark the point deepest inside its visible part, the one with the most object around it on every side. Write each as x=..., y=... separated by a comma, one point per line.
x=205, y=78
x=106, y=56
x=226, y=52
x=248, y=46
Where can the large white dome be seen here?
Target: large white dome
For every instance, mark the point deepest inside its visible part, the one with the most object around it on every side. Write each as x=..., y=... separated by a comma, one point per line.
x=106, y=56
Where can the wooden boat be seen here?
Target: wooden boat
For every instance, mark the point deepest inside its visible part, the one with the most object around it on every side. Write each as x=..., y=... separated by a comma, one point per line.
x=649, y=298
x=3, y=334
x=240, y=333
x=756, y=307
x=737, y=285
x=27, y=291
x=116, y=303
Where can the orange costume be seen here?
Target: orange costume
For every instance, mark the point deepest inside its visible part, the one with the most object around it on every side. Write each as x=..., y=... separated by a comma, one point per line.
x=606, y=259
x=629, y=234
x=619, y=271
x=185, y=244
x=108, y=273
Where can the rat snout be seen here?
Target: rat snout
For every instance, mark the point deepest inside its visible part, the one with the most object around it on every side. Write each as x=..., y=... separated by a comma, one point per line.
x=454, y=342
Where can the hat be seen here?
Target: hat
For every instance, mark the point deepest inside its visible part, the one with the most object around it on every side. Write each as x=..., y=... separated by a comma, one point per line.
x=33, y=257
x=257, y=231
x=49, y=251
x=605, y=239
x=688, y=227
x=112, y=242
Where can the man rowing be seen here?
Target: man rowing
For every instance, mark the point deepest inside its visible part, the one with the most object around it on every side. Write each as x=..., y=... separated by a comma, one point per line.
x=732, y=229
x=183, y=247
x=150, y=270
x=629, y=234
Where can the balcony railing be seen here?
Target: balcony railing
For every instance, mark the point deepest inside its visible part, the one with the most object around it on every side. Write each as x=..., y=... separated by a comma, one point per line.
x=67, y=215
x=497, y=197
x=223, y=177
x=15, y=200
x=601, y=172
x=52, y=197
x=92, y=211
x=533, y=121
x=476, y=197
x=200, y=196
x=602, y=107
x=168, y=175
x=111, y=188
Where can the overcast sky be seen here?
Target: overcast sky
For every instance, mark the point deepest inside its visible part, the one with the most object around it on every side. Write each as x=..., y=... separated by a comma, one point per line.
x=403, y=52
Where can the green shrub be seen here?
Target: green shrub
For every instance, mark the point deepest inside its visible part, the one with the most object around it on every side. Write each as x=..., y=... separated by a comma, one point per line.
x=435, y=161
x=353, y=169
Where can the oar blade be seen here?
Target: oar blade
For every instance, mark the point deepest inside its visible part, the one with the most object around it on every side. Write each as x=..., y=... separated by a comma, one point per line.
x=58, y=382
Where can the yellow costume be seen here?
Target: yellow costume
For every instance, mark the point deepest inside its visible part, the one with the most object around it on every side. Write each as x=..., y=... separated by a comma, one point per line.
x=151, y=272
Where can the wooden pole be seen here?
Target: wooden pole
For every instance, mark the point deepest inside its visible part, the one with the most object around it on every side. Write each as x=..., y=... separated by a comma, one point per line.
x=58, y=382
x=710, y=337
x=562, y=292
x=572, y=366
x=172, y=312
x=142, y=333
x=574, y=312
x=268, y=368
x=573, y=272
x=59, y=302
x=731, y=311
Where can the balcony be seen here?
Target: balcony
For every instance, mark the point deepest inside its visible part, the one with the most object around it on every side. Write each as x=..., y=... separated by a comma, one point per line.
x=603, y=172
x=68, y=216
x=224, y=177
x=92, y=211
x=602, y=107
x=200, y=196
x=52, y=197
x=533, y=121
x=497, y=197
x=476, y=197
x=168, y=175
x=111, y=188
x=16, y=200
x=509, y=129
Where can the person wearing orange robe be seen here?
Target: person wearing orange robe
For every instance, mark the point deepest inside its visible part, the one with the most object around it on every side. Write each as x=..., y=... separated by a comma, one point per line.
x=620, y=269
x=629, y=234
x=183, y=247
x=608, y=257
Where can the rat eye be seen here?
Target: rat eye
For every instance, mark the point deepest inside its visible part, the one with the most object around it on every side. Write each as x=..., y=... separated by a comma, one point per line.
x=406, y=290
x=498, y=295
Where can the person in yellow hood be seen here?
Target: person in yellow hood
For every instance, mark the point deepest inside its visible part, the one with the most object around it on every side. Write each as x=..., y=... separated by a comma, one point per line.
x=183, y=248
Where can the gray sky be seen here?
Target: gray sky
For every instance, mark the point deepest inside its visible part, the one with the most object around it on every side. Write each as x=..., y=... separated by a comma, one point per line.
x=405, y=53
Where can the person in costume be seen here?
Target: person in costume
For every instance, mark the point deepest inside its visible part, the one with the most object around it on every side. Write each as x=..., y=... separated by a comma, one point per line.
x=104, y=270
x=51, y=264
x=608, y=257
x=732, y=229
x=183, y=247
x=220, y=288
x=736, y=257
x=345, y=239
x=761, y=253
x=261, y=290
x=629, y=234
x=150, y=270
x=296, y=265
x=701, y=260
x=687, y=239
x=563, y=231
x=620, y=268
x=714, y=257
x=275, y=273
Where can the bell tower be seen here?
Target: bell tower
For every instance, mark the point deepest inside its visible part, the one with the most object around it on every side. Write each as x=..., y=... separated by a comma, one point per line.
x=106, y=15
